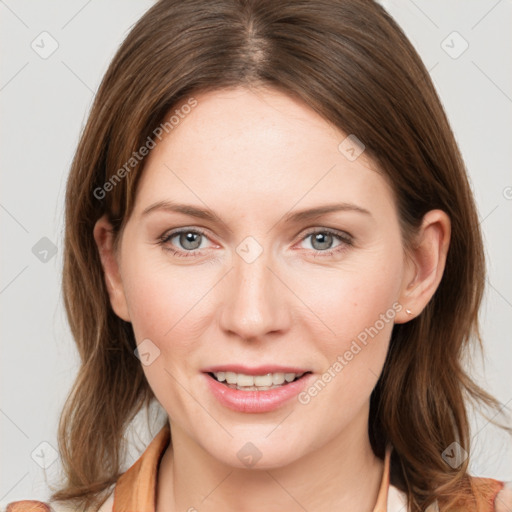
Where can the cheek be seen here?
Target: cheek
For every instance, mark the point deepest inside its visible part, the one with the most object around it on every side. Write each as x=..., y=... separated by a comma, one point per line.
x=358, y=306
x=167, y=304
x=349, y=301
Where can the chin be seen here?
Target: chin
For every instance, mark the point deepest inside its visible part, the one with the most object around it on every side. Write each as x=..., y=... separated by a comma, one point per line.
x=257, y=452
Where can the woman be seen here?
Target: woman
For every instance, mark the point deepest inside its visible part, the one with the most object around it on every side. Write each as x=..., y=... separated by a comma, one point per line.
x=269, y=232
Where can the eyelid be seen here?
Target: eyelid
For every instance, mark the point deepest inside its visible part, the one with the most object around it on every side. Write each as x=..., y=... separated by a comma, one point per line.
x=178, y=231
x=323, y=229
x=345, y=237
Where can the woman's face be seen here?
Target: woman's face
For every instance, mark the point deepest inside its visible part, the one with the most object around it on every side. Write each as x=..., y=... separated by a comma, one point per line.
x=256, y=285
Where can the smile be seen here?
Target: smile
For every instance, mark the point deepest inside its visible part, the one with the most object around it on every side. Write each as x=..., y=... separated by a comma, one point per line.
x=244, y=382
x=256, y=393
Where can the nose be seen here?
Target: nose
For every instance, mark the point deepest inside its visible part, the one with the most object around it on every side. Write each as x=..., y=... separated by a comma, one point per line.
x=255, y=301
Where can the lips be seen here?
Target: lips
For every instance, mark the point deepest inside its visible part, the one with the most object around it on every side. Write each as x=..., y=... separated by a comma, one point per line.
x=255, y=370
x=252, y=398
x=261, y=378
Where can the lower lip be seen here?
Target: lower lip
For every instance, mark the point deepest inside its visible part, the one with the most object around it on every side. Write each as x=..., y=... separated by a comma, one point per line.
x=256, y=401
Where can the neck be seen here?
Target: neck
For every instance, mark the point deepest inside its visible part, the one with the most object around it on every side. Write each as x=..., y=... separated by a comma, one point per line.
x=342, y=474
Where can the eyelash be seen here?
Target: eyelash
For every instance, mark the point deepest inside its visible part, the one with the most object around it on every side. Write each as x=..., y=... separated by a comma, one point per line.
x=342, y=237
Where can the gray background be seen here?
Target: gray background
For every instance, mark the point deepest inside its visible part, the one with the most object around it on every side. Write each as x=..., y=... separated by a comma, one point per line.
x=44, y=101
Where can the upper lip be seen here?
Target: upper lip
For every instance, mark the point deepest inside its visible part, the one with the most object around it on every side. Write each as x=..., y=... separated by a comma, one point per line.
x=254, y=370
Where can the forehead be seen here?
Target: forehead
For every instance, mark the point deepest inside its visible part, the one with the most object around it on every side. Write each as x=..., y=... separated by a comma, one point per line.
x=239, y=122
x=241, y=147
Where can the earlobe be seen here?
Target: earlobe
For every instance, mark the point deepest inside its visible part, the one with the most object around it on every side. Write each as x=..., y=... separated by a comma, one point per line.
x=425, y=264
x=104, y=238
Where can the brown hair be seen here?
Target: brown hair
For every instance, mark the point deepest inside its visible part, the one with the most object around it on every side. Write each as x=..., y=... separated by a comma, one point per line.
x=351, y=63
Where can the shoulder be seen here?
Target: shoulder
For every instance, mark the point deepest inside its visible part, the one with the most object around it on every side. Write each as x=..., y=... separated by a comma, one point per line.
x=26, y=506
x=488, y=495
x=491, y=496
x=503, y=500
x=41, y=506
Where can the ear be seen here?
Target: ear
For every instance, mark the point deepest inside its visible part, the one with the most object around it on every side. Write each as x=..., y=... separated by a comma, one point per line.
x=104, y=238
x=425, y=263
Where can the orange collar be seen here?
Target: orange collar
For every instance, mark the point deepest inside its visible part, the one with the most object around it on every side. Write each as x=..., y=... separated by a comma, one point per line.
x=135, y=489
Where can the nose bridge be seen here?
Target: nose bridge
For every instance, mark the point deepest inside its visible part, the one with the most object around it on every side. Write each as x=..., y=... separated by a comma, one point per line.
x=255, y=305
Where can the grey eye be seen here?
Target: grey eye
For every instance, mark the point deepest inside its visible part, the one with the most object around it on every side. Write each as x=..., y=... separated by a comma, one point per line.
x=189, y=240
x=321, y=241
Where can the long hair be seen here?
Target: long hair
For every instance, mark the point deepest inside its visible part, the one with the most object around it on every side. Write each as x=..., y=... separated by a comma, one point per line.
x=350, y=62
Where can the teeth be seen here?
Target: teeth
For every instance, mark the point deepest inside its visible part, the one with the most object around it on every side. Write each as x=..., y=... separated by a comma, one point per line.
x=230, y=377
x=277, y=378
x=257, y=382
x=262, y=380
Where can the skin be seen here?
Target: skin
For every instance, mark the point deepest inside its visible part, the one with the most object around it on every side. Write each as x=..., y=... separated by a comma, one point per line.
x=253, y=156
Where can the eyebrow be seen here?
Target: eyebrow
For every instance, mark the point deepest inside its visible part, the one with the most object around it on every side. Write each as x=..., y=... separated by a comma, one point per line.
x=293, y=217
